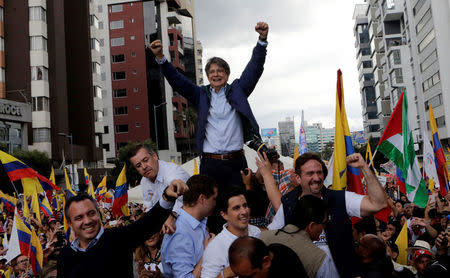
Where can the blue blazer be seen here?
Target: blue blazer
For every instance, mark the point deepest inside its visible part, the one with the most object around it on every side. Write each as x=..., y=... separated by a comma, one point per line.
x=237, y=93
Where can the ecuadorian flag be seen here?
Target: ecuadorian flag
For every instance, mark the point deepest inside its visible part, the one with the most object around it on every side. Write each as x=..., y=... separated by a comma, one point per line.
x=344, y=176
x=121, y=195
x=15, y=168
x=441, y=163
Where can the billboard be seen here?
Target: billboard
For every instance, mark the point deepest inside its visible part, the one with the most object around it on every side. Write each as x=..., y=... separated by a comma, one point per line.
x=358, y=137
x=268, y=132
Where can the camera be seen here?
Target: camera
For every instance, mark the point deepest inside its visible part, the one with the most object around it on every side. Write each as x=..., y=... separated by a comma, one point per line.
x=61, y=239
x=258, y=145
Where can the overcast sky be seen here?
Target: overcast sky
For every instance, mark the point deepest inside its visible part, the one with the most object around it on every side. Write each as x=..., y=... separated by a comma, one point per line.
x=309, y=41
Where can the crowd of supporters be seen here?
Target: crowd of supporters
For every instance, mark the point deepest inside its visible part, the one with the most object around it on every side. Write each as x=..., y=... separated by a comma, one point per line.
x=377, y=244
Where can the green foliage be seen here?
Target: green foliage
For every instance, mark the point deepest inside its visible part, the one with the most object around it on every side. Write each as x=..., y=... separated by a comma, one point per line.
x=327, y=151
x=133, y=177
x=37, y=160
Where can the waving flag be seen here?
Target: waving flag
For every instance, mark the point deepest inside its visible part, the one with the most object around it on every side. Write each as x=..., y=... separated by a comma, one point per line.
x=397, y=144
x=101, y=189
x=15, y=168
x=441, y=163
x=121, y=195
x=69, y=190
x=52, y=176
x=343, y=176
x=35, y=207
x=45, y=207
x=86, y=176
x=429, y=162
x=195, y=167
x=402, y=243
x=47, y=185
x=8, y=201
x=303, y=147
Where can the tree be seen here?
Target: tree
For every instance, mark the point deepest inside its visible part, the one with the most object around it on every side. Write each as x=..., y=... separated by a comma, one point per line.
x=133, y=177
x=327, y=151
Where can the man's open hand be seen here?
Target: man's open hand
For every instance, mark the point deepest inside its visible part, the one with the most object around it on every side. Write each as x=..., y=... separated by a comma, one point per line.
x=156, y=47
x=262, y=29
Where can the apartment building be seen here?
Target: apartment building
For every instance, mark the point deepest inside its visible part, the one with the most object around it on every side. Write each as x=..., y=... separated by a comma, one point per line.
x=47, y=65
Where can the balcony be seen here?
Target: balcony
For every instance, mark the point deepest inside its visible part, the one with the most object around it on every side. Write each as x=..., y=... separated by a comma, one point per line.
x=172, y=18
x=187, y=8
x=174, y=4
x=392, y=10
x=384, y=107
x=378, y=76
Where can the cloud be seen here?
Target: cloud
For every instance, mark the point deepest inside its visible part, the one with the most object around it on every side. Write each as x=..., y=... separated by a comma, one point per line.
x=308, y=42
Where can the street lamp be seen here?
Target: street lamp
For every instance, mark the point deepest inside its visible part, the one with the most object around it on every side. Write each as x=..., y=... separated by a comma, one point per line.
x=156, y=124
x=71, y=152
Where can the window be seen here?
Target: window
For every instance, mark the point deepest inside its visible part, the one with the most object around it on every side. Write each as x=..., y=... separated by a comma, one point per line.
x=133, y=54
x=121, y=110
x=120, y=75
x=118, y=58
x=434, y=101
x=394, y=58
x=397, y=76
x=115, y=8
x=135, y=90
x=100, y=8
x=430, y=82
x=98, y=115
x=39, y=73
x=138, y=124
x=97, y=92
x=117, y=41
x=40, y=104
x=367, y=64
x=106, y=147
x=427, y=62
x=116, y=24
x=121, y=128
x=102, y=42
x=132, y=38
x=2, y=75
x=41, y=135
x=95, y=44
x=105, y=129
x=418, y=6
x=100, y=25
x=105, y=112
x=38, y=43
x=136, y=107
x=134, y=71
x=365, y=51
x=102, y=59
x=440, y=122
x=120, y=93
x=132, y=20
x=37, y=14
x=425, y=18
x=96, y=68
x=2, y=44
x=426, y=41
x=94, y=21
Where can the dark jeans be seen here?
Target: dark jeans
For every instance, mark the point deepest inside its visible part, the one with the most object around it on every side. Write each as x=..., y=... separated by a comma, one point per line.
x=226, y=173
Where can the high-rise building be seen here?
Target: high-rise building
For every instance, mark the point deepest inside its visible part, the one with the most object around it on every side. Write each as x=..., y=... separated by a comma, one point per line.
x=49, y=64
x=286, y=131
x=139, y=103
x=317, y=137
x=408, y=42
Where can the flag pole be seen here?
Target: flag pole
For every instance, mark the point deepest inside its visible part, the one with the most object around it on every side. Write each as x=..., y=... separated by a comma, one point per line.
x=373, y=156
x=446, y=181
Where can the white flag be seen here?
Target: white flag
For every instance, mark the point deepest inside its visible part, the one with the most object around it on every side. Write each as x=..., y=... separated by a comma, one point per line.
x=429, y=162
x=13, y=245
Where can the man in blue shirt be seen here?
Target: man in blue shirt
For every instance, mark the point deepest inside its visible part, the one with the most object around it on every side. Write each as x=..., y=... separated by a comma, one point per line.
x=182, y=251
x=225, y=119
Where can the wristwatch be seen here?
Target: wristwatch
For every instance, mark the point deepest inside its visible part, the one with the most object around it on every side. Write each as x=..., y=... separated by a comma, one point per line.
x=167, y=197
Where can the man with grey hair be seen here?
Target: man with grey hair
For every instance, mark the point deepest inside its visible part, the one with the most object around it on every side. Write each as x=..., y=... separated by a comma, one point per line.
x=225, y=119
x=156, y=176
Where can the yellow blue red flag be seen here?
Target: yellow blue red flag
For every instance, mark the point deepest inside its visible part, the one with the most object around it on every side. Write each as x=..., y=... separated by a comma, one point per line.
x=343, y=176
x=120, y=206
x=441, y=163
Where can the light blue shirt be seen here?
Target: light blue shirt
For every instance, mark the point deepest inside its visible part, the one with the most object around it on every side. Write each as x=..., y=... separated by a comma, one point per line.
x=75, y=245
x=181, y=251
x=223, y=127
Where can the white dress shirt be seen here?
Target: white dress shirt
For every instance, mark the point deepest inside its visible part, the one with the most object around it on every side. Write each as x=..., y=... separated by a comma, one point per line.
x=152, y=192
x=215, y=256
